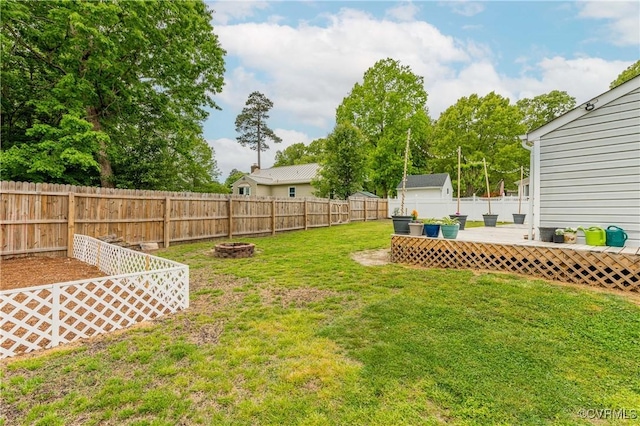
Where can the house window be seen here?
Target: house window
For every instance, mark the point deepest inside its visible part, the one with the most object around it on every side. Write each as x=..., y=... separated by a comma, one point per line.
x=244, y=190
x=292, y=191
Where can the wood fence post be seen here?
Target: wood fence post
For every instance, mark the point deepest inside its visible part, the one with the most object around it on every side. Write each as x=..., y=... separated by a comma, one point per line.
x=329, y=212
x=273, y=216
x=305, y=214
x=365, y=209
x=71, y=224
x=167, y=221
x=230, y=217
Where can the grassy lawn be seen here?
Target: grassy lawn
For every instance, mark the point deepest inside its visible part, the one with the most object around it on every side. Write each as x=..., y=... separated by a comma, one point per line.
x=303, y=334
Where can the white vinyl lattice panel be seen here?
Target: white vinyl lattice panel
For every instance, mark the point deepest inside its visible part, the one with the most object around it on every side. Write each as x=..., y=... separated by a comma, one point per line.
x=140, y=287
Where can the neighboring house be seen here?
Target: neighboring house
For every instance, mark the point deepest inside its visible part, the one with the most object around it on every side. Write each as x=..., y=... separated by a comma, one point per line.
x=286, y=181
x=585, y=164
x=363, y=194
x=523, y=185
x=435, y=186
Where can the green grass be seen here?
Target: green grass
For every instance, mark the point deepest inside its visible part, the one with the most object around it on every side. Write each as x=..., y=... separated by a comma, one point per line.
x=302, y=334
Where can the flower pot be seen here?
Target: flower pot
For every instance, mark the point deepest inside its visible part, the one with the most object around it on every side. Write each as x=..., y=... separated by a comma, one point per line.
x=518, y=218
x=415, y=229
x=558, y=238
x=450, y=231
x=546, y=233
x=462, y=219
x=401, y=224
x=570, y=237
x=431, y=230
x=490, y=219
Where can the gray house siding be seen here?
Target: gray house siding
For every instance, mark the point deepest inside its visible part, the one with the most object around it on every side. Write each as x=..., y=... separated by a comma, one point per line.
x=590, y=169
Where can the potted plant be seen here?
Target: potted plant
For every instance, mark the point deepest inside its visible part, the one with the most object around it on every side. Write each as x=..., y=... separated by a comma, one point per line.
x=462, y=218
x=570, y=235
x=518, y=218
x=489, y=219
x=400, y=222
x=449, y=227
x=431, y=227
x=415, y=226
x=558, y=236
x=403, y=221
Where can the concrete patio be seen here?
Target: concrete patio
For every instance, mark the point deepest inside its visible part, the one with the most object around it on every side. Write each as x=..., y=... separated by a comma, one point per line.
x=517, y=235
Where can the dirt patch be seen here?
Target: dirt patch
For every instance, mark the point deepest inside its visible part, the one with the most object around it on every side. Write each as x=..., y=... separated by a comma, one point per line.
x=295, y=297
x=34, y=271
x=372, y=257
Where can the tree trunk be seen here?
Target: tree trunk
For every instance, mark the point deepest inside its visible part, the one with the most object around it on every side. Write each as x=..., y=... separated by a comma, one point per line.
x=259, y=147
x=106, y=172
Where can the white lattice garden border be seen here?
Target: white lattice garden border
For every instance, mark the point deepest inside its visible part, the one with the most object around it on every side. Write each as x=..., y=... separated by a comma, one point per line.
x=139, y=287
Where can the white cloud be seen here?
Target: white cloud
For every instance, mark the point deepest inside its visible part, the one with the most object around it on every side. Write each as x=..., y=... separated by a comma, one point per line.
x=464, y=8
x=623, y=27
x=231, y=155
x=403, y=13
x=307, y=70
x=227, y=11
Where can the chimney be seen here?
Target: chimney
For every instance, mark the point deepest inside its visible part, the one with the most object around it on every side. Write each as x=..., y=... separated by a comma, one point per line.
x=254, y=167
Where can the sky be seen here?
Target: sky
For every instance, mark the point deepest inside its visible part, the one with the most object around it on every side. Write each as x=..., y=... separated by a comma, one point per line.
x=306, y=56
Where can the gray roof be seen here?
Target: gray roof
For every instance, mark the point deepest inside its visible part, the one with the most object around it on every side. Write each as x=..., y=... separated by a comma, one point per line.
x=435, y=180
x=364, y=194
x=302, y=173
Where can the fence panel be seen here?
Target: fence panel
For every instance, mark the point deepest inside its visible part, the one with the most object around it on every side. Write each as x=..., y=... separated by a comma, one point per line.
x=140, y=287
x=37, y=219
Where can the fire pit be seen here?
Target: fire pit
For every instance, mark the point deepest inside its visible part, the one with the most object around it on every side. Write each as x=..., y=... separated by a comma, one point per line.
x=234, y=250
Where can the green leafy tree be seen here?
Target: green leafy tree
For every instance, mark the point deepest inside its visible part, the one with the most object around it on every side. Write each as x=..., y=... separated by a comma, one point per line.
x=299, y=153
x=136, y=71
x=390, y=100
x=64, y=154
x=626, y=75
x=251, y=123
x=541, y=109
x=484, y=127
x=233, y=176
x=343, y=169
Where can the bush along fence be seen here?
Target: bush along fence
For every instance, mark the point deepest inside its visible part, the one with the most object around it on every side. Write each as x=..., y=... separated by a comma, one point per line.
x=138, y=287
x=42, y=218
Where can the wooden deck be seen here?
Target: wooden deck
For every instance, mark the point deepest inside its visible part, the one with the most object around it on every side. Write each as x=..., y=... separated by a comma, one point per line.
x=505, y=248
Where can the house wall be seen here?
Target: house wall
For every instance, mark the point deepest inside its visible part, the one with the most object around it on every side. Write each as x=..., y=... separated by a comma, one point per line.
x=302, y=190
x=246, y=181
x=590, y=170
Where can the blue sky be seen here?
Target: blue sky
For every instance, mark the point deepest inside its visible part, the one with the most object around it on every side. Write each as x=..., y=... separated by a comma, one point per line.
x=306, y=56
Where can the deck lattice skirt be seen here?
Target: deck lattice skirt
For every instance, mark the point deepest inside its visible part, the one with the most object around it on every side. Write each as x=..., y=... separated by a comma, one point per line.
x=594, y=268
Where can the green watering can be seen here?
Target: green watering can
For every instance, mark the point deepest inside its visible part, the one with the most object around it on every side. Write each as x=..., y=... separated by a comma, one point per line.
x=616, y=236
x=595, y=236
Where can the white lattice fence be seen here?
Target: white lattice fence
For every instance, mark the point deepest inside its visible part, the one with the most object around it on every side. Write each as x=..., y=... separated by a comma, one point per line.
x=140, y=287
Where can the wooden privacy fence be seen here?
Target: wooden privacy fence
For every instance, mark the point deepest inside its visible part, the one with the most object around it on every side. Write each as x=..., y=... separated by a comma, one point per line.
x=42, y=218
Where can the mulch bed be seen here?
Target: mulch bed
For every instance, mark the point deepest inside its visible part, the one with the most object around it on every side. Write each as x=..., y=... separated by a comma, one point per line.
x=34, y=271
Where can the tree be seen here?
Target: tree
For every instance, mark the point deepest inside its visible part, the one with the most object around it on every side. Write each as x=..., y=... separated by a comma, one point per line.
x=542, y=109
x=343, y=169
x=233, y=176
x=299, y=153
x=484, y=127
x=626, y=75
x=136, y=71
x=251, y=123
x=389, y=101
